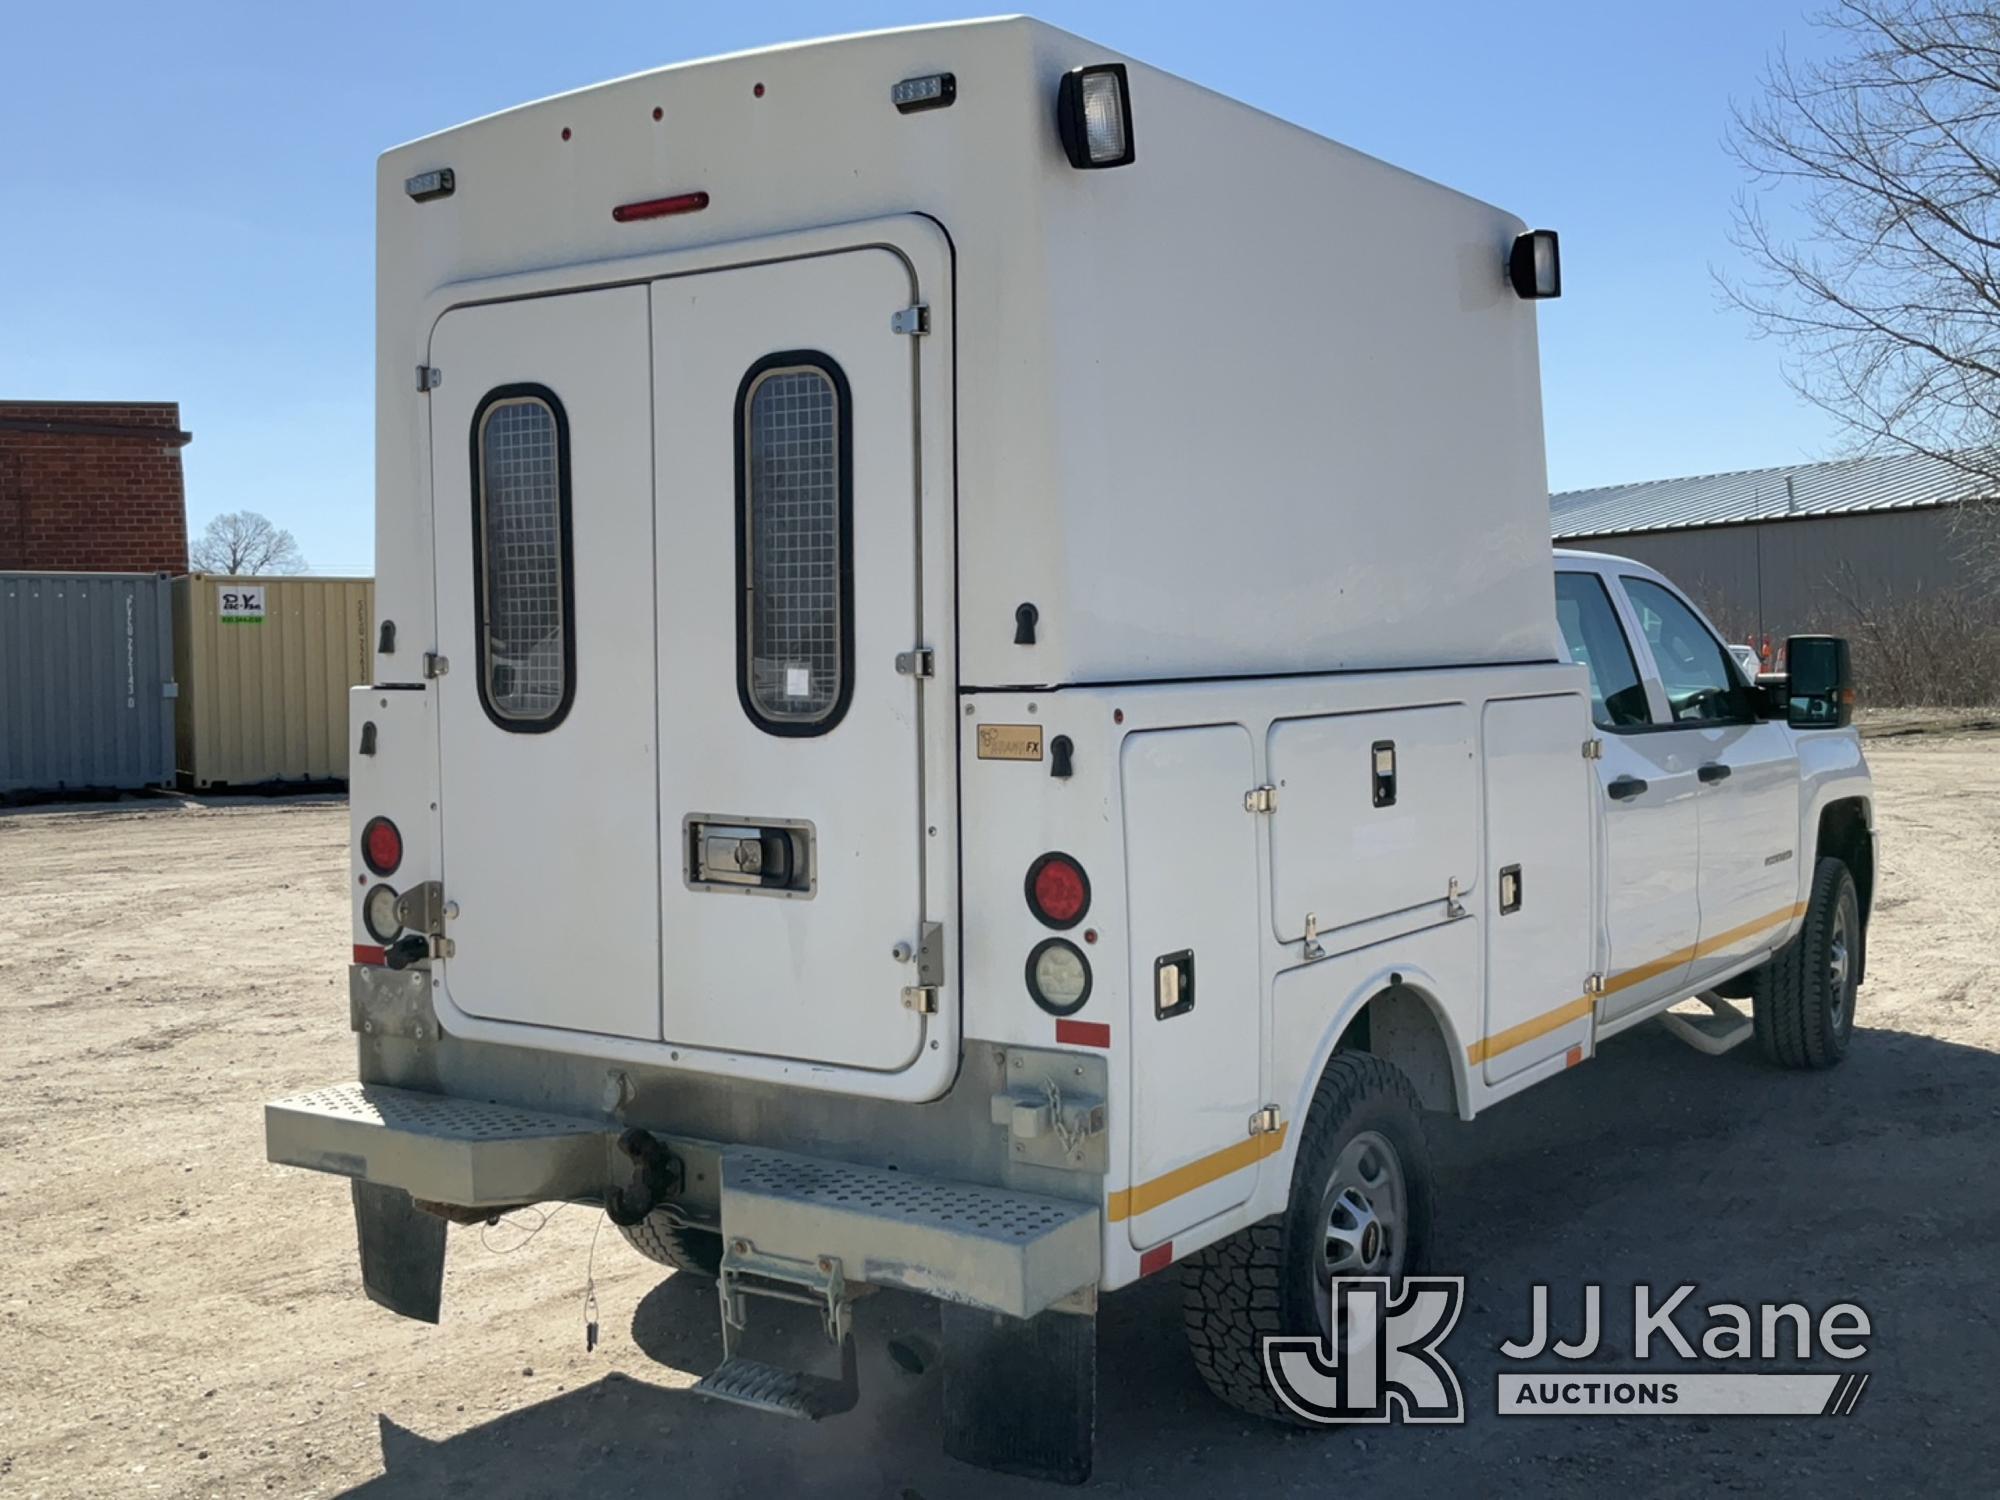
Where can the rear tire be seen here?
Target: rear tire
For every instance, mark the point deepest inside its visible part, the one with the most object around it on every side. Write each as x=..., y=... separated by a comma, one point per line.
x=1803, y=998
x=659, y=1239
x=1362, y=1161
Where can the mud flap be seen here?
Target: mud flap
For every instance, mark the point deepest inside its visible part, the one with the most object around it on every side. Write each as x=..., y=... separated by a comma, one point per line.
x=402, y=1251
x=1020, y=1396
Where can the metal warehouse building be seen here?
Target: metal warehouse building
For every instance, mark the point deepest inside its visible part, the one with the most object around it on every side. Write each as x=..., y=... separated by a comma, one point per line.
x=1768, y=552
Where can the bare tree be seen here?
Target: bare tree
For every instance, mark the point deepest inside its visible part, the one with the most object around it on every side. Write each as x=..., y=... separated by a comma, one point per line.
x=243, y=542
x=1888, y=288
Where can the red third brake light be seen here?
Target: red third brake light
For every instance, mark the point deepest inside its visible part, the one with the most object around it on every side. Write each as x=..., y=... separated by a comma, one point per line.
x=381, y=846
x=660, y=208
x=1058, y=891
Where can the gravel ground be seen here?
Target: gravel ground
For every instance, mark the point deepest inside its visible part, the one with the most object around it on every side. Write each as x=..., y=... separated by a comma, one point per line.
x=177, y=1318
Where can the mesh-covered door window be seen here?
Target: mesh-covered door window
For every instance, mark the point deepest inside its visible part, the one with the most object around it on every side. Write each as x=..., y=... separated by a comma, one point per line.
x=793, y=474
x=521, y=512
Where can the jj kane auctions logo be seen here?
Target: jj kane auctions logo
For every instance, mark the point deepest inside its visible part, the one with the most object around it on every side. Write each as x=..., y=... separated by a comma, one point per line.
x=1383, y=1360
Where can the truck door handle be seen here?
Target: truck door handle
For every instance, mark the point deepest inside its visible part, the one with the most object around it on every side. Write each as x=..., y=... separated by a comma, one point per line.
x=1714, y=771
x=1625, y=788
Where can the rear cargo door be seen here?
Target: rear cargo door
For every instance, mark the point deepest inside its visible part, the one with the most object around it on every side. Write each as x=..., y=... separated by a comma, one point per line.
x=542, y=473
x=791, y=780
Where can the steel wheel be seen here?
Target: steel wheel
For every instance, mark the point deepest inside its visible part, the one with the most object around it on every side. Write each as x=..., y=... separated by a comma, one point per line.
x=1839, y=969
x=1365, y=1211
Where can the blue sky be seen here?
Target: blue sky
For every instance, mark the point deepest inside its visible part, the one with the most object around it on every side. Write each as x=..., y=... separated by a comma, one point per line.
x=186, y=196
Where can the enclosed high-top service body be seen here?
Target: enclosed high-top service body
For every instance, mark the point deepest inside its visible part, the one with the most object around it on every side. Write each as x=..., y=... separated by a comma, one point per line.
x=958, y=616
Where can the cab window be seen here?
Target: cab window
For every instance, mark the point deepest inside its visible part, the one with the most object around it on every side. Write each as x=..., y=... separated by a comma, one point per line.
x=1597, y=641
x=1701, y=682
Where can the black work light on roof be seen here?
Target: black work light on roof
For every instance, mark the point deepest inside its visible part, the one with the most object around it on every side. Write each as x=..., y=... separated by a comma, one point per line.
x=1535, y=265
x=1094, y=115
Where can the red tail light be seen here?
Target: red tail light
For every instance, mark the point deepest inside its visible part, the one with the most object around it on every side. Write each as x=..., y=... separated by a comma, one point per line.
x=660, y=208
x=1058, y=891
x=381, y=846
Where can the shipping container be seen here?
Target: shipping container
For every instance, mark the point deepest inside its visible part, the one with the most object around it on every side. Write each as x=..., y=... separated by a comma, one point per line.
x=264, y=666
x=86, y=681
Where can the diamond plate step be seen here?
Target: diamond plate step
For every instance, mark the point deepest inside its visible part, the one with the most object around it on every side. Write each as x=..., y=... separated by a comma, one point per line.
x=435, y=1147
x=1007, y=1251
x=787, y=1393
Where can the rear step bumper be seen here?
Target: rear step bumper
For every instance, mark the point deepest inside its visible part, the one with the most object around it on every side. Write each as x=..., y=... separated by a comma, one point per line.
x=993, y=1248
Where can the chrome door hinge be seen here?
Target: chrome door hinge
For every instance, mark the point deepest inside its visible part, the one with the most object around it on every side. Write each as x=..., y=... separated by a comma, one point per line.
x=1261, y=799
x=1313, y=949
x=1593, y=984
x=422, y=908
x=1593, y=749
x=921, y=662
x=429, y=377
x=922, y=997
x=1453, y=907
x=911, y=320
x=1267, y=1121
x=435, y=665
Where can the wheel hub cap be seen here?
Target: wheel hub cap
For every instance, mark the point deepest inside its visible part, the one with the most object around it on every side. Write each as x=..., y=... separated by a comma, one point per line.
x=1366, y=1207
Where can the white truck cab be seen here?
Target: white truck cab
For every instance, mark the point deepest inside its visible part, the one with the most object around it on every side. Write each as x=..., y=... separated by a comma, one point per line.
x=971, y=699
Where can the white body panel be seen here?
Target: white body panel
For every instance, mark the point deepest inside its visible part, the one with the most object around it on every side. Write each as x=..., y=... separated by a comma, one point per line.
x=1749, y=842
x=1191, y=875
x=1340, y=857
x=1652, y=910
x=748, y=972
x=540, y=873
x=1269, y=516
x=1540, y=795
x=1285, y=425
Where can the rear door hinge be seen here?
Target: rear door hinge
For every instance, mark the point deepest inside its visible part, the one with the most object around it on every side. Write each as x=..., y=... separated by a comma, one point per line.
x=1593, y=984
x=1267, y=1121
x=915, y=320
x=1593, y=749
x=921, y=662
x=436, y=665
x=429, y=378
x=922, y=997
x=1261, y=799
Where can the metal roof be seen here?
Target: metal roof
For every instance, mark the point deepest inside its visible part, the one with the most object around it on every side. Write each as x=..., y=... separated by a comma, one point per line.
x=1850, y=486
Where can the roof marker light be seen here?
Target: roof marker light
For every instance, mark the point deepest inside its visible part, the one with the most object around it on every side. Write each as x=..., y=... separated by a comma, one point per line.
x=660, y=208
x=932, y=91
x=428, y=185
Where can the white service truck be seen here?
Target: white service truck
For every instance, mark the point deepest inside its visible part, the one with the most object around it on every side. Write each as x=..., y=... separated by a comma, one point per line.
x=971, y=698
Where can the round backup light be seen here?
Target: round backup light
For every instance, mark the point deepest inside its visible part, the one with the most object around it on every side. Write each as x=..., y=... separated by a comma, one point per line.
x=1058, y=891
x=381, y=846
x=378, y=914
x=1058, y=976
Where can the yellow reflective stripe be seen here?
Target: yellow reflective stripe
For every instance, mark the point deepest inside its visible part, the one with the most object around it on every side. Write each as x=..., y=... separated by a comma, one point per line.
x=1126, y=1203
x=1562, y=1015
x=1527, y=1031
x=1147, y=1196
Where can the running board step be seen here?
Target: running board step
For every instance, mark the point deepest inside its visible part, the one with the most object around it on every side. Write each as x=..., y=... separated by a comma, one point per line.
x=1722, y=1028
x=785, y=1393
x=1005, y=1251
x=438, y=1148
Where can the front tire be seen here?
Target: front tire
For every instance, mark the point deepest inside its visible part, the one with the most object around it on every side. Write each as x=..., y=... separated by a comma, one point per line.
x=1803, y=998
x=1361, y=1205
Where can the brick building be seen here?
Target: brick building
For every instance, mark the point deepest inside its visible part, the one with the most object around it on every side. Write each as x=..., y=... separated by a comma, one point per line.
x=92, y=486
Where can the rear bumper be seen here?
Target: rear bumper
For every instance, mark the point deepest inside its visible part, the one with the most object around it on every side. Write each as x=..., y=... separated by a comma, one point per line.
x=1008, y=1252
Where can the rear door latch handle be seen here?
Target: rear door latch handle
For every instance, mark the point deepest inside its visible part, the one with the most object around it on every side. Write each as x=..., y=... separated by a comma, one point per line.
x=1713, y=772
x=1625, y=788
